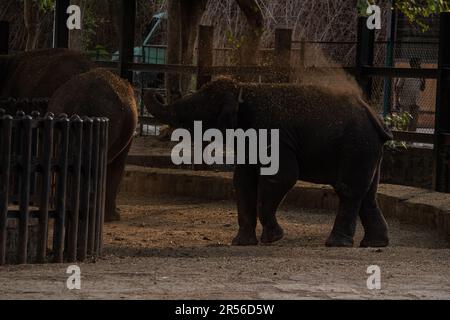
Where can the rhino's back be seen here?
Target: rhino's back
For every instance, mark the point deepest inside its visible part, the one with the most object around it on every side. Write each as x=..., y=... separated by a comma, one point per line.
x=38, y=74
x=274, y=105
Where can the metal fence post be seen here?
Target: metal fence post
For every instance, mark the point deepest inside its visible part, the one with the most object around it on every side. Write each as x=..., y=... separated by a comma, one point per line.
x=205, y=54
x=61, y=191
x=46, y=164
x=76, y=144
x=93, y=203
x=24, y=202
x=127, y=26
x=364, y=55
x=67, y=162
x=389, y=61
x=60, y=30
x=102, y=184
x=5, y=158
x=86, y=182
x=442, y=119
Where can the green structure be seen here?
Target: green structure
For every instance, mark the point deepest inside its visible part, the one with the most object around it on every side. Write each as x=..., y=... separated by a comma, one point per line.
x=153, y=49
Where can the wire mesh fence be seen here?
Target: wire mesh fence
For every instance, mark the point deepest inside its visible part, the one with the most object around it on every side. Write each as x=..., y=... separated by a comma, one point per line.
x=387, y=93
x=415, y=96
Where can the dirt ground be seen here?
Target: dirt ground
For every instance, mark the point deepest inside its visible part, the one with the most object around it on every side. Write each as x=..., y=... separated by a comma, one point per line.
x=151, y=145
x=167, y=248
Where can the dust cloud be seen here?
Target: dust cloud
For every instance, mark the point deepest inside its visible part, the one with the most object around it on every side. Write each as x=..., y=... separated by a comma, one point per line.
x=319, y=70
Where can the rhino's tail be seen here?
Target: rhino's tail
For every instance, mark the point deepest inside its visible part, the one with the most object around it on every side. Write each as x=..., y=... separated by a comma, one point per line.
x=383, y=131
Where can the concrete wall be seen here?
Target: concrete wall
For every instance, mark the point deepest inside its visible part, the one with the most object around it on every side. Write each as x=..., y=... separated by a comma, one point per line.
x=409, y=167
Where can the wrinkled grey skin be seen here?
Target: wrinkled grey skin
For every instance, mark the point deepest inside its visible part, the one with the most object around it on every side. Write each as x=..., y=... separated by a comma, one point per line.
x=327, y=138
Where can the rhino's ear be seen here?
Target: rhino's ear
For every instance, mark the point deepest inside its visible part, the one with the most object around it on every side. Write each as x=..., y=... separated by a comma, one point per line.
x=228, y=117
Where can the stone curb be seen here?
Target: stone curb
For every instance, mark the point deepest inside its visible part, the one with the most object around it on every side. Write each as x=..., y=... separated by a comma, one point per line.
x=407, y=204
x=409, y=167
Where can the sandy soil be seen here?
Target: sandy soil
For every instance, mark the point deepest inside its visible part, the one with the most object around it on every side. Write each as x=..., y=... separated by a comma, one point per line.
x=179, y=249
x=151, y=145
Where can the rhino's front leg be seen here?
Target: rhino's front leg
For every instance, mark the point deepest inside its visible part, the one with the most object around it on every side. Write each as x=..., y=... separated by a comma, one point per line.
x=271, y=191
x=246, y=188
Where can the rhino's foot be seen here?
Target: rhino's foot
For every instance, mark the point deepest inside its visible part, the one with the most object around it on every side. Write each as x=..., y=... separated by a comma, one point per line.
x=245, y=238
x=272, y=234
x=336, y=239
x=374, y=241
x=112, y=215
x=375, y=232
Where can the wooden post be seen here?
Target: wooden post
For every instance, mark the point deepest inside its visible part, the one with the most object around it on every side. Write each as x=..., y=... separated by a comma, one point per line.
x=4, y=37
x=282, y=55
x=303, y=53
x=60, y=30
x=442, y=118
x=205, y=53
x=127, y=25
x=364, y=55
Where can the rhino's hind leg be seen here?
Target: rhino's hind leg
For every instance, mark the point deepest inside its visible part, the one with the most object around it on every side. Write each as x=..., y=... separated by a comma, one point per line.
x=355, y=178
x=375, y=226
x=114, y=176
x=345, y=222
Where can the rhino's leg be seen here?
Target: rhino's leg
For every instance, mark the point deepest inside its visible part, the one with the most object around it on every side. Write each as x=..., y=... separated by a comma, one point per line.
x=345, y=222
x=357, y=170
x=271, y=191
x=114, y=176
x=375, y=226
x=246, y=184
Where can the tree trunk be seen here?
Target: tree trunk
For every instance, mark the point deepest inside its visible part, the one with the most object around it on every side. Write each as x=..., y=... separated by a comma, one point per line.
x=184, y=18
x=32, y=25
x=191, y=15
x=252, y=37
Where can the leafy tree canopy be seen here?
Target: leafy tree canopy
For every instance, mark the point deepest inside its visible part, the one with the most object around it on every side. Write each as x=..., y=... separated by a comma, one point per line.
x=46, y=5
x=414, y=10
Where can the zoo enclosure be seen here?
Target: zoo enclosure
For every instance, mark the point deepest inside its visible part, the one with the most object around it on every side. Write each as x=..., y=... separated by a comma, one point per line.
x=280, y=70
x=52, y=185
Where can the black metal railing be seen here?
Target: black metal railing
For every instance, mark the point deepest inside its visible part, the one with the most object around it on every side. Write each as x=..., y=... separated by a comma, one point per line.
x=52, y=186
